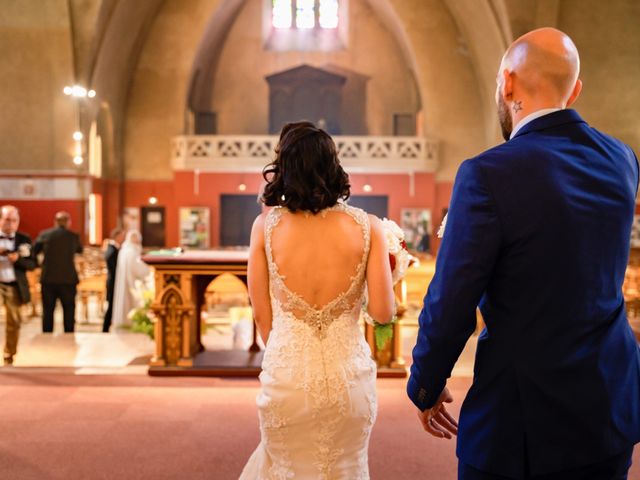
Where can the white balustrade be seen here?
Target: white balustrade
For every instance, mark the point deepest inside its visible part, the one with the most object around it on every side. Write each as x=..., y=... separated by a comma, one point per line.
x=247, y=153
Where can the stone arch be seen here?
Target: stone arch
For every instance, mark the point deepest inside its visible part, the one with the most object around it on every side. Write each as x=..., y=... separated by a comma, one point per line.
x=208, y=54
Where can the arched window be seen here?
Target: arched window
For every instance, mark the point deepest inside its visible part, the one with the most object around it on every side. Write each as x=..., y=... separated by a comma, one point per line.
x=305, y=14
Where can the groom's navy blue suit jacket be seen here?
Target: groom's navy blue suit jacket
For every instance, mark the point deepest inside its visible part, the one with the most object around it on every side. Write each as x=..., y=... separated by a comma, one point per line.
x=537, y=236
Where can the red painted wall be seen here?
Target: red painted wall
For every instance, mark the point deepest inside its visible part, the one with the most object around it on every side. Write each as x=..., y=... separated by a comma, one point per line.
x=182, y=192
x=38, y=215
x=111, y=208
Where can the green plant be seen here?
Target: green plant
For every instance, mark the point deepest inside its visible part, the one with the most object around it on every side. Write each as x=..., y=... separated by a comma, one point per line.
x=141, y=321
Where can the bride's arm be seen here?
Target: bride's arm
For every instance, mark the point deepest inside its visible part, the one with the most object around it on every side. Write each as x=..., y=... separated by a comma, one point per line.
x=379, y=284
x=258, y=279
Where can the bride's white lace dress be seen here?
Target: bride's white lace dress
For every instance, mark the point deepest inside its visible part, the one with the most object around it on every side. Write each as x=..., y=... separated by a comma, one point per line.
x=318, y=401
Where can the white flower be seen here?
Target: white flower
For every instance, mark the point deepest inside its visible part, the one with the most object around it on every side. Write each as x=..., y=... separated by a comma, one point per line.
x=402, y=264
x=394, y=236
x=443, y=225
x=24, y=250
x=397, y=249
x=393, y=228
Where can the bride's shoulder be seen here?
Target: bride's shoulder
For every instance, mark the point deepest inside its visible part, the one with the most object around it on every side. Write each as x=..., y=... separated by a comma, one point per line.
x=376, y=224
x=374, y=220
x=259, y=223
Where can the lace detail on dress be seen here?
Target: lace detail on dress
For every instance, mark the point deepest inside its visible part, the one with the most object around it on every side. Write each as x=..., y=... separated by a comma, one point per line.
x=318, y=319
x=274, y=424
x=326, y=454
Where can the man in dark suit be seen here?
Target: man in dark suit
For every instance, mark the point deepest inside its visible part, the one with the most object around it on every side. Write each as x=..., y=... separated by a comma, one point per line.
x=59, y=278
x=111, y=258
x=16, y=257
x=537, y=235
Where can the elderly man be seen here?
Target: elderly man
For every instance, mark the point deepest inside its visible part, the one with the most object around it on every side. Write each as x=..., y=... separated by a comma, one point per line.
x=537, y=236
x=16, y=257
x=59, y=278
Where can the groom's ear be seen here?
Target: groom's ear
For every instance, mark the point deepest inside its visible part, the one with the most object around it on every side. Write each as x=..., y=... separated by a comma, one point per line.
x=507, y=85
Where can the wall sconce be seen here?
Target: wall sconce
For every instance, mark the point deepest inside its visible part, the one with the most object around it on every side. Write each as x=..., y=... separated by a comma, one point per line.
x=78, y=160
x=153, y=200
x=367, y=187
x=242, y=187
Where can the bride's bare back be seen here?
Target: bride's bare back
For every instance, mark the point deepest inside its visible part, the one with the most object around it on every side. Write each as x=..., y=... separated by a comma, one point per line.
x=318, y=255
x=316, y=259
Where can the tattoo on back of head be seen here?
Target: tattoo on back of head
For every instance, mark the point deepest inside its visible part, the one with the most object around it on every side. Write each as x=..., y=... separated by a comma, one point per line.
x=517, y=106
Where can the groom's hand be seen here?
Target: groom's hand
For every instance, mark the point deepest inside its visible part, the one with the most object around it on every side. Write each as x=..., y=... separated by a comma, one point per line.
x=437, y=421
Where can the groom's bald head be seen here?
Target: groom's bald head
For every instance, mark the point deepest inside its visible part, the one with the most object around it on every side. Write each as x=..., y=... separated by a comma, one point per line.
x=545, y=62
x=538, y=71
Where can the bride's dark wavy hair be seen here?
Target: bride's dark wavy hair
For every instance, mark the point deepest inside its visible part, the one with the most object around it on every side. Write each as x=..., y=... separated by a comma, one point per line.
x=306, y=174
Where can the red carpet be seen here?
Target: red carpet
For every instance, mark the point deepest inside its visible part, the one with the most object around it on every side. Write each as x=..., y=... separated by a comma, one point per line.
x=62, y=426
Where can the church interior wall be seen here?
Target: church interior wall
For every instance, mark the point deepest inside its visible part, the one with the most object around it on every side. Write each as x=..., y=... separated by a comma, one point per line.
x=156, y=106
x=181, y=192
x=608, y=39
x=37, y=121
x=245, y=62
x=439, y=52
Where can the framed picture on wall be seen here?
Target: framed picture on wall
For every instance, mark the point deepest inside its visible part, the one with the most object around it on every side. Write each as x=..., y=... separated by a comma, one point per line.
x=194, y=227
x=416, y=224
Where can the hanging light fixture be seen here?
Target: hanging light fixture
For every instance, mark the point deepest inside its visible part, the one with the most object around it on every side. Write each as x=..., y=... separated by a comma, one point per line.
x=78, y=92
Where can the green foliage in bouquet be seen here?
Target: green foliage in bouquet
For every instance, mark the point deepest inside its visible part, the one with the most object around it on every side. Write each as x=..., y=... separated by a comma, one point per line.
x=383, y=332
x=140, y=320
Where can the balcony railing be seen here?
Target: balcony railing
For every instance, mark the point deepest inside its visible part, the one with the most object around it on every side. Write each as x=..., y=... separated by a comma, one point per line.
x=246, y=153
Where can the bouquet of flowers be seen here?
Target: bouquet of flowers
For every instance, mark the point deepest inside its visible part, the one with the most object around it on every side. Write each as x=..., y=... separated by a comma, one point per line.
x=399, y=256
x=400, y=260
x=141, y=316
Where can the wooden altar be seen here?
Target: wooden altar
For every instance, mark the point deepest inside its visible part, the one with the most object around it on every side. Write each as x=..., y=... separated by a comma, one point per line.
x=180, y=282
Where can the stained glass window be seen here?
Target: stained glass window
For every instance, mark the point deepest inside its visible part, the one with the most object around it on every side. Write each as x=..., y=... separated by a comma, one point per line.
x=305, y=13
x=281, y=13
x=328, y=14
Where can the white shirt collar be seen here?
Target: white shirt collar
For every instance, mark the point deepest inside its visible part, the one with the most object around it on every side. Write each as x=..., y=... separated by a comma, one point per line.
x=531, y=117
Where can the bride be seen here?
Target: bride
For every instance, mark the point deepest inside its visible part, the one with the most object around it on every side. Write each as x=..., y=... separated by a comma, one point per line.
x=311, y=259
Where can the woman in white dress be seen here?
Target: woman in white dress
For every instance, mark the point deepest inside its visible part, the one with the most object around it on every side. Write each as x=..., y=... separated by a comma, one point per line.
x=128, y=269
x=311, y=259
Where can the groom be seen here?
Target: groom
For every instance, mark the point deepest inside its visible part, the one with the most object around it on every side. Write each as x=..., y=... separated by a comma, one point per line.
x=538, y=237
